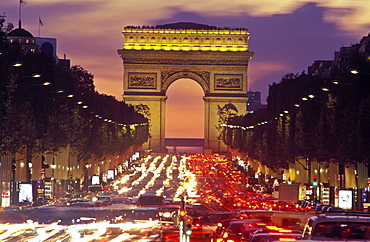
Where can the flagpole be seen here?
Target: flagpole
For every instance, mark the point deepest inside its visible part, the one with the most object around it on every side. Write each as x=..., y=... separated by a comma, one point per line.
x=40, y=24
x=20, y=15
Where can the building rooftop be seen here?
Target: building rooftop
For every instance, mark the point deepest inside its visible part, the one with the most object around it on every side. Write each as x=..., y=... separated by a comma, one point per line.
x=185, y=25
x=20, y=33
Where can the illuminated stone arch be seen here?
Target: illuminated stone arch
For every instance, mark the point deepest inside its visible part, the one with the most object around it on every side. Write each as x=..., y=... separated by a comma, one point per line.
x=206, y=55
x=199, y=77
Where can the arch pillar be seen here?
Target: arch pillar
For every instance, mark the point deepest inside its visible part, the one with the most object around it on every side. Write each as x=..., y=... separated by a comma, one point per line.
x=217, y=110
x=156, y=105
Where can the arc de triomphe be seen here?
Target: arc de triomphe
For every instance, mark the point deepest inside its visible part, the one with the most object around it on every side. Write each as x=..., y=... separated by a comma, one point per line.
x=217, y=59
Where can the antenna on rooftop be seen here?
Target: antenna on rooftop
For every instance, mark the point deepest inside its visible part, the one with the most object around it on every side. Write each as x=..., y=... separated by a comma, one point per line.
x=20, y=14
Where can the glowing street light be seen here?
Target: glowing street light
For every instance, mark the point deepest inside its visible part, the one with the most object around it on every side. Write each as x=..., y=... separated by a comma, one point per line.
x=325, y=89
x=335, y=82
x=17, y=64
x=36, y=75
x=358, y=72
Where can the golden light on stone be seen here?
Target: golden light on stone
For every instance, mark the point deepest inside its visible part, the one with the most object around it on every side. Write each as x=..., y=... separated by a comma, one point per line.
x=185, y=39
x=155, y=57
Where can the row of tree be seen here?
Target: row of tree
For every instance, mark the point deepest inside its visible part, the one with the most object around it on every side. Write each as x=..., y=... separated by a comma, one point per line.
x=69, y=111
x=323, y=118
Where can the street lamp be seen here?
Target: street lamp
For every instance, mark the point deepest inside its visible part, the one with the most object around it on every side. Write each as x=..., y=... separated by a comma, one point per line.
x=17, y=64
x=325, y=89
x=358, y=72
x=36, y=75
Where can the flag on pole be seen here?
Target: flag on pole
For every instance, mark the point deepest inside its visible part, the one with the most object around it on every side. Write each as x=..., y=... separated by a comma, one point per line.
x=40, y=22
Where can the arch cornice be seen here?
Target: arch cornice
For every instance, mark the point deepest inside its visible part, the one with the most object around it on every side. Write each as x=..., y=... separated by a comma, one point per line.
x=201, y=77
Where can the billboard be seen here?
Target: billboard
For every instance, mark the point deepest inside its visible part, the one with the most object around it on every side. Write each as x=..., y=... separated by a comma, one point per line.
x=95, y=180
x=110, y=174
x=25, y=192
x=345, y=199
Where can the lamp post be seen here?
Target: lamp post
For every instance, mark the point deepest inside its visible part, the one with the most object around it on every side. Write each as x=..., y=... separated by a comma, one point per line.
x=13, y=183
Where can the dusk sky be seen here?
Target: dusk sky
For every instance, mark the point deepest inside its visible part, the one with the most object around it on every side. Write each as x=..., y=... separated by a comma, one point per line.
x=286, y=36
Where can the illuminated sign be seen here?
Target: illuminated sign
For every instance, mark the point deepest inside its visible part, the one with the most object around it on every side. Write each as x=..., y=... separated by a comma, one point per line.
x=135, y=156
x=25, y=193
x=345, y=199
x=95, y=180
x=110, y=174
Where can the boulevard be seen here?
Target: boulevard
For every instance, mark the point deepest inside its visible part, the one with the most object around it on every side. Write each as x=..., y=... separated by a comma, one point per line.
x=209, y=184
x=71, y=219
x=168, y=198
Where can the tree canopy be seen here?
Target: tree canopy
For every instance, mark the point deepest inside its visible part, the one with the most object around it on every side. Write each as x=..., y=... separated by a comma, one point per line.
x=323, y=118
x=68, y=111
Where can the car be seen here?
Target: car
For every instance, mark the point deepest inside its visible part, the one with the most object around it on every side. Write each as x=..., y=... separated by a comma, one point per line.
x=212, y=218
x=235, y=230
x=39, y=203
x=120, y=200
x=350, y=226
x=197, y=223
x=167, y=220
x=11, y=208
x=335, y=210
x=83, y=203
x=290, y=220
x=263, y=215
x=103, y=200
x=24, y=204
x=267, y=237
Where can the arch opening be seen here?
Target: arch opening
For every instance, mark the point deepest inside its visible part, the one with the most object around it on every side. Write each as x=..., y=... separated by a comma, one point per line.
x=184, y=116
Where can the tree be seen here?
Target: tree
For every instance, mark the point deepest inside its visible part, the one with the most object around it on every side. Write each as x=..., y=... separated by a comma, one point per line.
x=67, y=112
